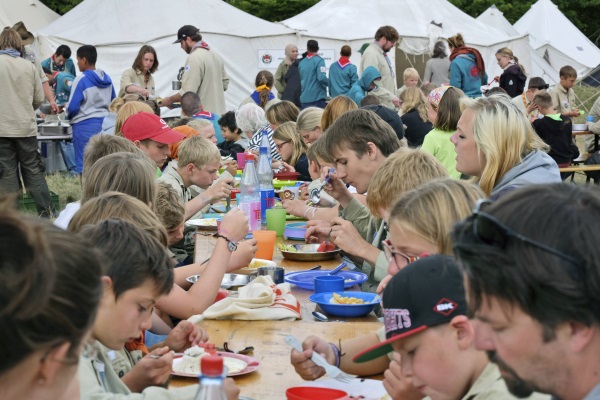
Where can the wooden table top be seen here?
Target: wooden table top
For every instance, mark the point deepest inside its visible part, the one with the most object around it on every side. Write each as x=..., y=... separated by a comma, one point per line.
x=275, y=373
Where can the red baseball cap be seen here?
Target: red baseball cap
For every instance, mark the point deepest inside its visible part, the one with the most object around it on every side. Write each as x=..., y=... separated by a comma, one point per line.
x=145, y=125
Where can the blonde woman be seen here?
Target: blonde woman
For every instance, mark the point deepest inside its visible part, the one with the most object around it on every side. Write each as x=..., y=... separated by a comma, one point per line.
x=309, y=124
x=414, y=116
x=496, y=144
x=333, y=110
x=292, y=150
x=514, y=76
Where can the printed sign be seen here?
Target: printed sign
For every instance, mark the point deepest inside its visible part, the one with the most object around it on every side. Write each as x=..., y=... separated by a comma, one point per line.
x=271, y=58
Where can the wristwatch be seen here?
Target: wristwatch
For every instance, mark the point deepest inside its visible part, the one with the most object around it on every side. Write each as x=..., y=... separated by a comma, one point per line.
x=232, y=246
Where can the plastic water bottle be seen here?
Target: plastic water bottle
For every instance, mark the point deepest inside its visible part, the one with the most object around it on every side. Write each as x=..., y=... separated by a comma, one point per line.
x=211, y=379
x=250, y=194
x=265, y=178
x=590, y=120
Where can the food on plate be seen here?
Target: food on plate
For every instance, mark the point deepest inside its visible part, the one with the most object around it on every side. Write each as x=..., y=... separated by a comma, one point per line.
x=337, y=299
x=257, y=264
x=287, y=247
x=190, y=362
x=325, y=247
x=204, y=222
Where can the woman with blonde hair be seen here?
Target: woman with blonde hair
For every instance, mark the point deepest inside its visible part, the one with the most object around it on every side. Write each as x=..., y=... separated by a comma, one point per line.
x=414, y=116
x=496, y=144
x=292, y=150
x=309, y=124
x=514, y=76
x=333, y=110
x=127, y=110
x=262, y=95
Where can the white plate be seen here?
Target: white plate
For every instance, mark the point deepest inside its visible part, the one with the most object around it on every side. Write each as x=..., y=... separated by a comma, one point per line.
x=204, y=223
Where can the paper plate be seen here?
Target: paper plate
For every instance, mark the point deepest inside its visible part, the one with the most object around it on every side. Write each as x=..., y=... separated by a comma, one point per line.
x=306, y=279
x=252, y=364
x=205, y=224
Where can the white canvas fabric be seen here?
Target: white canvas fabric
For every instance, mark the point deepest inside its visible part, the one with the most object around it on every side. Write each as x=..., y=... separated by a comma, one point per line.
x=33, y=13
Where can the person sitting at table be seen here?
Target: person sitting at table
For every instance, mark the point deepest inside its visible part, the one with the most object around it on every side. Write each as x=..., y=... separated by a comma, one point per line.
x=171, y=212
x=50, y=288
x=136, y=276
x=556, y=130
x=292, y=150
x=496, y=144
x=419, y=224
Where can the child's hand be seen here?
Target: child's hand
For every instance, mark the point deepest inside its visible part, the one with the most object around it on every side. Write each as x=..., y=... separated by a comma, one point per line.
x=287, y=167
x=152, y=370
x=398, y=385
x=245, y=252
x=295, y=207
x=219, y=190
x=234, y=225
x=184, y=336
x=336, y=188
x=317, y=231
x=383, y=284
x=231, y=389
x=232, y=167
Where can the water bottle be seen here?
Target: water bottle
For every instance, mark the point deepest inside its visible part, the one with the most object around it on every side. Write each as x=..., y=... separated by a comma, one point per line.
x=250, y=194
x=211, y=379
x=590, y=120
x=265, y=178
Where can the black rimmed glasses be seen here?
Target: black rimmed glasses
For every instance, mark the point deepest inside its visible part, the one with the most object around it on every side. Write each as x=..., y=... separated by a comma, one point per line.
x=400, y=258
x=280, y=145
x=493, y=232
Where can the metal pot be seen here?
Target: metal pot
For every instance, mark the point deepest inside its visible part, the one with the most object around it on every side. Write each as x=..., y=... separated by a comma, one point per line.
x=54, y=128
x=176, y=85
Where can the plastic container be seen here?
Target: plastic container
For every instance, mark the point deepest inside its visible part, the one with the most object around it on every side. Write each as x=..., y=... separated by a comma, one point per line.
x=250, y=194
x=265, y=178
x=346, y=310
x=211, y=379
x=312, y=393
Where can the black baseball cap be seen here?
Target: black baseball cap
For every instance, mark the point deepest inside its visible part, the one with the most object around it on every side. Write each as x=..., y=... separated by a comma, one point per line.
x=426, y=293
x=186, y=31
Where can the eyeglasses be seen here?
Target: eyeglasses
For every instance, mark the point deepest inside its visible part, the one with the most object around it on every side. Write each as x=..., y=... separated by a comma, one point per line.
x=400, y=258
x=493, y=232
x=280, y=145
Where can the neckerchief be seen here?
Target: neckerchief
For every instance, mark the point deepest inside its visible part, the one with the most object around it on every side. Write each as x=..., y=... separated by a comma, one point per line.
x=343, y=62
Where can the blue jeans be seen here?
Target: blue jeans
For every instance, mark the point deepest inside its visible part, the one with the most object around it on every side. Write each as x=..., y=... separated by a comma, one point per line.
x=68, y=152
x=82, y=132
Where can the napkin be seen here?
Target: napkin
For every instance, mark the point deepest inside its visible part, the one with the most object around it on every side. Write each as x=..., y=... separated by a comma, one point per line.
x=261, y=299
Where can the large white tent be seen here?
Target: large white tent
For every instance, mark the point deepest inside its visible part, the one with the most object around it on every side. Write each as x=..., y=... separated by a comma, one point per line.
x=33, y=13
x=119, y=28
x=556, y=39
x=354, y=22
x=539, y=67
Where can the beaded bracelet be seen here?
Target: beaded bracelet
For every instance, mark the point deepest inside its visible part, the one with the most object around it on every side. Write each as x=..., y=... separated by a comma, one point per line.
x=336, y=351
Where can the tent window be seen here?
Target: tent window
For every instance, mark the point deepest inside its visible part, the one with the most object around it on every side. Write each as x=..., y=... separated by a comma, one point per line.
x=547, y=57
x=579, y=48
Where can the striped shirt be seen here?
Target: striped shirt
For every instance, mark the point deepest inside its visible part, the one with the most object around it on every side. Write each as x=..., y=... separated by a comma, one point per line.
x=257, y=138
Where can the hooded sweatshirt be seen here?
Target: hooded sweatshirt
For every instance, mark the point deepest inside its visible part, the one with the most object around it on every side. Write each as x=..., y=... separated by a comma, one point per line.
x=357, y=91
x=513, y=80
x=536, y=168
x=465, y=76
x=91, y=94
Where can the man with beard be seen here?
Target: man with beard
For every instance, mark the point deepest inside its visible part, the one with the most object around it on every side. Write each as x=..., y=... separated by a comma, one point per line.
x=204, y=72
x=534, y=287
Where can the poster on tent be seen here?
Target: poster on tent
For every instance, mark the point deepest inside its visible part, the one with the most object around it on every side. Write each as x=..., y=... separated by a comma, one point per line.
x=271, y=58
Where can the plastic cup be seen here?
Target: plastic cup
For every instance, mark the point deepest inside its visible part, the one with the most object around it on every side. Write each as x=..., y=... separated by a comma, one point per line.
x=289, y=193
x=241, y=159
x=329, y=283
x=276, y=273
x=276, y=220
x=266, y=244
x=310, y=393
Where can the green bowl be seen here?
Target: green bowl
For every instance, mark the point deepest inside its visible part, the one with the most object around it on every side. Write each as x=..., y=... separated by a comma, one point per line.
x=277, y=184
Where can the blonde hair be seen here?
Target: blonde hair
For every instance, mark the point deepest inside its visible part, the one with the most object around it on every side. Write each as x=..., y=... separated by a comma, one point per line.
x=128, y=173
x=117, y=205
x=309, y=119
x=336, y=107
x=103, y=145
x=404, y=170
x=169, y=206
x=198, y=151
x=119, y=102
x=456, y=41
x=503, y=136
x=10, y=39
x=287, y=132
x=505, y=51
x=199, y=124
x=127, y=110
x=283, y=111
x=432, y=209
x=413, y=97
x=408, y=72
x=317, y=150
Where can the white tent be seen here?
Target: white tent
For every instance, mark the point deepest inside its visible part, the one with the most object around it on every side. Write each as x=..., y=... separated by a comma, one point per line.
x=539, y=67
x=33, y=13
x=354, y=22
x=556, y=39
x=119, y=28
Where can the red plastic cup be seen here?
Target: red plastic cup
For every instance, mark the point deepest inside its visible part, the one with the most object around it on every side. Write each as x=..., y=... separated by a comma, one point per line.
x=312, y=393
x=241, y=159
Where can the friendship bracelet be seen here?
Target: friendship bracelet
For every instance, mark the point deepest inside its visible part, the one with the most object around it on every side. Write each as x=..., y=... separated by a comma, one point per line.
x=336, y=351
x=307, y=210
x=313, y=212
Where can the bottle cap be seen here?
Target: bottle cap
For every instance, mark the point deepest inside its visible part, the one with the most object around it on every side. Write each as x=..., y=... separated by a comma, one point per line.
x=211, y=365
x=249, y=157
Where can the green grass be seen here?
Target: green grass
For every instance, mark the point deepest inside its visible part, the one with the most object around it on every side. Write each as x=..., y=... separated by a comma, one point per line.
x=586, y=95
x=68, y=188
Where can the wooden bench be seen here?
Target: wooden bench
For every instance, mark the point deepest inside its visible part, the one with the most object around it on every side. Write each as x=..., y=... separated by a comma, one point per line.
x=582, y=168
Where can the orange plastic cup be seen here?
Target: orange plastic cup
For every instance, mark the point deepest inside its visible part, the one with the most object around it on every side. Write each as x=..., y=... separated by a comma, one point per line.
x=266, y=244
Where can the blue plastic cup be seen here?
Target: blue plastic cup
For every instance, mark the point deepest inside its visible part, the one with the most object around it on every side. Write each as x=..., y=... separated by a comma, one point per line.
x=329, y=283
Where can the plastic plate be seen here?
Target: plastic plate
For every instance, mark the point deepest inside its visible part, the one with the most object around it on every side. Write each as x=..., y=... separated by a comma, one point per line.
x=306, y=279
x=252, y=364
x=346, y=310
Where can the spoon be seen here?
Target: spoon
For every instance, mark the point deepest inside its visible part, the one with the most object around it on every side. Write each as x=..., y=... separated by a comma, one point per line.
x=320, y=316
x=338, y=268
x=315, y=194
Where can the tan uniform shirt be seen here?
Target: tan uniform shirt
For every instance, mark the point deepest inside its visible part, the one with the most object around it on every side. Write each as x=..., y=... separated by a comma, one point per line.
x=563, y=99
x=135, y=77
x=373, y=56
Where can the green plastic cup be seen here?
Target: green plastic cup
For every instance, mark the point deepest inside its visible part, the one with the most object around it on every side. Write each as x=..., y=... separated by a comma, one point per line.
x=276, y=220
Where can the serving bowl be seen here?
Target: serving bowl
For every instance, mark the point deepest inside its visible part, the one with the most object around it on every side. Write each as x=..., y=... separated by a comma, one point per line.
x=307, y=252
x=580, y=127
x=346, y=310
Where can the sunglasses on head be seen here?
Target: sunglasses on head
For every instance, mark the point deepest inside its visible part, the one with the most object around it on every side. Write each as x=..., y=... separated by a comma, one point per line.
x=493, y=232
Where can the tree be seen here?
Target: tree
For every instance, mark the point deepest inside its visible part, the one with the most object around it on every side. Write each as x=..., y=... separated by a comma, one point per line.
x=273, y=10
x=61, y=6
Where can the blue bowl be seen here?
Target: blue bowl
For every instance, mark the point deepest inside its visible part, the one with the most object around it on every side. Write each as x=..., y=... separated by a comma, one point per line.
x=346, y=310
x=295, y=231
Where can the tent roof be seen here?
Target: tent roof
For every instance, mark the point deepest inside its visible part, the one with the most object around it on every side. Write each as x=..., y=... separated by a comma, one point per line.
x=33, y=13
x=541, y=22
x=142, y=21
x=354, y=20
x=494, y=17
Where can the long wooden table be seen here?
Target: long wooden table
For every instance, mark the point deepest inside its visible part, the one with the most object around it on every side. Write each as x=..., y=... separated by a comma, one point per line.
x=275, y=373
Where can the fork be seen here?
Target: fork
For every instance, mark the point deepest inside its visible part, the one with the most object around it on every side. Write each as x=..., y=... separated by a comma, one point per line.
x=318, y=359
